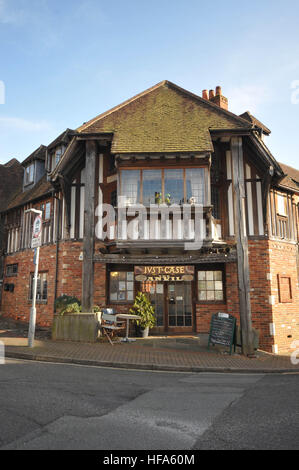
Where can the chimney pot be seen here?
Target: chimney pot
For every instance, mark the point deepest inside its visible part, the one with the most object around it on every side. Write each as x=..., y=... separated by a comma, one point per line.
x=211, y=94
x=219, y=99
x=205, y=94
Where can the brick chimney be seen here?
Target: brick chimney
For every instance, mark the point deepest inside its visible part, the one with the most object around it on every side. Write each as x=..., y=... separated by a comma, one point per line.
x=218, y=99
x=205, y=95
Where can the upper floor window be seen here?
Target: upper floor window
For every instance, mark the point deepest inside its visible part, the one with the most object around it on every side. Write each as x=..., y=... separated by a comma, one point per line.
x=46, y=210
x=170, y=186
x=29, y=174
x=56, y=156
x=281, y=205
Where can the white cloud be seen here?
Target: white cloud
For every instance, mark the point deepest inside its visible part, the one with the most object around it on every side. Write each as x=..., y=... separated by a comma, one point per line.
x=247, y=98
x=20, y=124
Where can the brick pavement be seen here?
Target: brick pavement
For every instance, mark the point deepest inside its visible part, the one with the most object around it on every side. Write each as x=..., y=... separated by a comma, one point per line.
x=146, y=355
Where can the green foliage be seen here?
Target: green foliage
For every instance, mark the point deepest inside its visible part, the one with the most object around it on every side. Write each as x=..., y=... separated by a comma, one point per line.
x=71, y=308
x=67, y=304
x=168, y=199
x=158, y=198
x=145, y=310
x=96, y=309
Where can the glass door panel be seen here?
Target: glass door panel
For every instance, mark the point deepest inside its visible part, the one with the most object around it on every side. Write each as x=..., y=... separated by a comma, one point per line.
x=179, y=304
x=155, y=292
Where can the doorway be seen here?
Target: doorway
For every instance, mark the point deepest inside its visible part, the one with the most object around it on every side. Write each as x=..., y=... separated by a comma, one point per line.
x=173, y=305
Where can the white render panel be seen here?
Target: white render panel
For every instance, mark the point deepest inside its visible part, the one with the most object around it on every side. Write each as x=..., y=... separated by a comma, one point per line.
x=230, y=194
x=81, y=222
x=101, y=168
x=249, y=201
x=260, y=207
x=73, y=212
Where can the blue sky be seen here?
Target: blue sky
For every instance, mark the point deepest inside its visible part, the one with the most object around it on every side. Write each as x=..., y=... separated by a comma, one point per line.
x=64, y=62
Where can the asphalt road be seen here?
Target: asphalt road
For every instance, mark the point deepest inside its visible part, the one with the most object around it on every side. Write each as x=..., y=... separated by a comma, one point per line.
x=56, y=406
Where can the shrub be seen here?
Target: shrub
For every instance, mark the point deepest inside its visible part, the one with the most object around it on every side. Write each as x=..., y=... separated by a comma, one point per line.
x=145, y=310
x=67, y=304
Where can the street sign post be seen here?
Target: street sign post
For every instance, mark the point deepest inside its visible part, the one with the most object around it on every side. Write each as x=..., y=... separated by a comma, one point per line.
x=35, y=243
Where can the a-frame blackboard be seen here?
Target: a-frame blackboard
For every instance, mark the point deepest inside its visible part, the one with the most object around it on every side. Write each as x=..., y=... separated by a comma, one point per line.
x=222, y=330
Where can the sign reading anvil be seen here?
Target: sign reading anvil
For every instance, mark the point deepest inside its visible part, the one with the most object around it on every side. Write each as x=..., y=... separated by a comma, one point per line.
x=164, y=273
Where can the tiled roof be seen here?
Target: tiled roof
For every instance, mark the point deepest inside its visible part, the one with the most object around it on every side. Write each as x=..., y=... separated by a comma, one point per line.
x=164, y=118
x=291, y=179
x=38, y=154
x=250, y=118
x=11, y=179
x=41, y=189
x=64, y=137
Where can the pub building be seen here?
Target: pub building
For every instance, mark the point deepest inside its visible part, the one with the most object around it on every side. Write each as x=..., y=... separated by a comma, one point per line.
x=163, y=147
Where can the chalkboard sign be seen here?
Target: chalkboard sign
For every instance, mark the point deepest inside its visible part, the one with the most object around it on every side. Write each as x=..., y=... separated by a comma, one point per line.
x=222, y=330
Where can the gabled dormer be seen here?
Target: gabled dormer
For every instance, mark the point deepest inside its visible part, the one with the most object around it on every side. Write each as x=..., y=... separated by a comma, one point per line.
x=56, y=149
x=34, y=167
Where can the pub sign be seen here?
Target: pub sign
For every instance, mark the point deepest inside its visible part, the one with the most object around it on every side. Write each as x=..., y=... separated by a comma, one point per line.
x=164, y=273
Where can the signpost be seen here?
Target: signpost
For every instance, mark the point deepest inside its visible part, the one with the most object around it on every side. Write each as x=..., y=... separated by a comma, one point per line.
x=35, y=243
x=222, y=330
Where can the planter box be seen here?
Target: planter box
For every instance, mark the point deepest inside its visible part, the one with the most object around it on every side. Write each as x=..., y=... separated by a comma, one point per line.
x=76, y=327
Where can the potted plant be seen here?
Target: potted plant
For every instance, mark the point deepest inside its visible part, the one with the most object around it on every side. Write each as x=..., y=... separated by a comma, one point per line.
x=158, y=198
x=168, y=199
x=146, y=311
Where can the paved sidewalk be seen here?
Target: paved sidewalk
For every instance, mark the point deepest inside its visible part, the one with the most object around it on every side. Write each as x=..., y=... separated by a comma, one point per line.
x=151, y=354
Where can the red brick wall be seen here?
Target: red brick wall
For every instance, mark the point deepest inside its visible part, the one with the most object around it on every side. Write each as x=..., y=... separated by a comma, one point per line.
x=267, y=260
x=16, y=304
x=204, y=311
x=261, y=309
x=285, y=315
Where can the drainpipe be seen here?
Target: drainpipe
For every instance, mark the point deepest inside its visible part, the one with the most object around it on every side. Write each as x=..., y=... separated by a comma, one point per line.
x=57, y=247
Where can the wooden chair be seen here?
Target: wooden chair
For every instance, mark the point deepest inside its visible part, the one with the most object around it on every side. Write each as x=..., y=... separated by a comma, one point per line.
x=110, y=325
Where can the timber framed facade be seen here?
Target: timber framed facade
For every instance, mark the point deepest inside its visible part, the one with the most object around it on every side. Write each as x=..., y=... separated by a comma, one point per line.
x=165, y=146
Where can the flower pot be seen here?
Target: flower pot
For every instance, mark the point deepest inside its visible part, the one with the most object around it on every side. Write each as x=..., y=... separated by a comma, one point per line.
x=138, y=332
x=145, y=332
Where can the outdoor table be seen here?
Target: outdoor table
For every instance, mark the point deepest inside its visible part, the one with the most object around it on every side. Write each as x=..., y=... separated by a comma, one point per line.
x=128, y=317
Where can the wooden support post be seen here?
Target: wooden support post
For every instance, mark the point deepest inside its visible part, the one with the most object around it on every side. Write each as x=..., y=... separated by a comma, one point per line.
x=242, y=245
x=89, y=227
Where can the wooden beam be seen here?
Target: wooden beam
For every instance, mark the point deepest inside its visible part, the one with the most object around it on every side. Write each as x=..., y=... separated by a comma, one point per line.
x=242, y=245
x=89, y=227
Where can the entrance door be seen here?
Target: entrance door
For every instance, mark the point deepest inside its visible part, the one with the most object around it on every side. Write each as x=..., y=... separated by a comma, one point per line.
x=179, y=301
x=173, y=305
